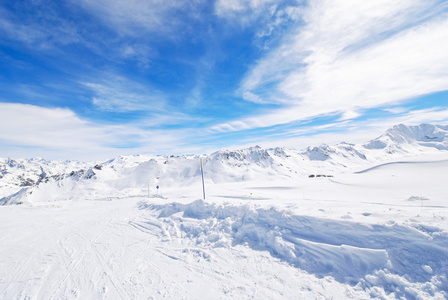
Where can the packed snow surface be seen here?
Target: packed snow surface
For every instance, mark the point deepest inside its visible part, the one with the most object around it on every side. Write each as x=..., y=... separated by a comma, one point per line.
x=328, y=222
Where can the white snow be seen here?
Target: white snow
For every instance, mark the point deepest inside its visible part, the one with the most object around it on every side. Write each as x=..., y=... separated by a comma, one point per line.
x=372, y=222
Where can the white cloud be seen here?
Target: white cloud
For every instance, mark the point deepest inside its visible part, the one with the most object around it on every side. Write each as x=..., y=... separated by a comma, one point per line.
x=409, y=64
x=429, y=115
x=396, y=110
x=60, y=134
x=29, y=125
x=350, y=114
x=350, y=56
x=356, y=132
x=276, y=117
x=252, y=97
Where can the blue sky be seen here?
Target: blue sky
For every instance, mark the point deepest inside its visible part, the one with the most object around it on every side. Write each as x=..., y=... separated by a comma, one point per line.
x=93, y=79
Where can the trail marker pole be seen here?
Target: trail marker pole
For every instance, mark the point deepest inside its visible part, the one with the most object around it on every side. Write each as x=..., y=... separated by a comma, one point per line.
x=203, y=185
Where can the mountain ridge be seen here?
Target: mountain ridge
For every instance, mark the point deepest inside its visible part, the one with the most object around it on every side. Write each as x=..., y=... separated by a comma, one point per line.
x=121, y=174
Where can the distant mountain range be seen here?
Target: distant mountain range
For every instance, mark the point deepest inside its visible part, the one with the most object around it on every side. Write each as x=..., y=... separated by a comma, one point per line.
x=28, y=180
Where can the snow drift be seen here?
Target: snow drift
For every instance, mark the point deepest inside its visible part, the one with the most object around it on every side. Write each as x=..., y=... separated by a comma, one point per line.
x=344, y=250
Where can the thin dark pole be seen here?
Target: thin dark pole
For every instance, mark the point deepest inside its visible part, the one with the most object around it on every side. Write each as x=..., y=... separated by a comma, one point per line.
x=203, y=186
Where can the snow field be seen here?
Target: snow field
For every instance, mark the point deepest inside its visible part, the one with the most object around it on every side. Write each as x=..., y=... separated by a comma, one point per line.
x=93, y=250
x=370, y=223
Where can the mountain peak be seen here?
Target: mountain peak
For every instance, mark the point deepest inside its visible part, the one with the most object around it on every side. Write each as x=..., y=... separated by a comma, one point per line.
x=399, y=136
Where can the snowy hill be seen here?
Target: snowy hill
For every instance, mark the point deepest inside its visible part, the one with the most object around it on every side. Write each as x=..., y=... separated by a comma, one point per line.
x=131, y=175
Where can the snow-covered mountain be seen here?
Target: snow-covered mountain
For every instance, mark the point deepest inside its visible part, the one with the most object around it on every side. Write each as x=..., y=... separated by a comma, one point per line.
x=25, y=180
x=402, y=138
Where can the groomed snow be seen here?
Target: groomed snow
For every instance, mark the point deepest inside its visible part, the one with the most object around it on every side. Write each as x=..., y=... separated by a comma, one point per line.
x=371, y=223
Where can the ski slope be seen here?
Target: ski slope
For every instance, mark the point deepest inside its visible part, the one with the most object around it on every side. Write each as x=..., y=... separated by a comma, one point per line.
x=371, y=223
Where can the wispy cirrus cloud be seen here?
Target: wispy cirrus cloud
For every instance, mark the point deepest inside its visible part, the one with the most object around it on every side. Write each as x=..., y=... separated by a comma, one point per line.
x=119, y=94
x=44, y=32
x=135, y=17
x=267, y=15
x=116, y=94
x=51, y=27
x=350, y=56
x=356, y=132
x=230, y=8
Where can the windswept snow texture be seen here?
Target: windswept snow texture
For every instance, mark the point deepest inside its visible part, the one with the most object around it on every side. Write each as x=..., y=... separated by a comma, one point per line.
x=344, y=250
x=328, y=222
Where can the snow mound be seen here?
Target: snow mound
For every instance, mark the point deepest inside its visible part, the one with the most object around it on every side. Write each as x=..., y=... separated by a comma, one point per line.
x=347, y=251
